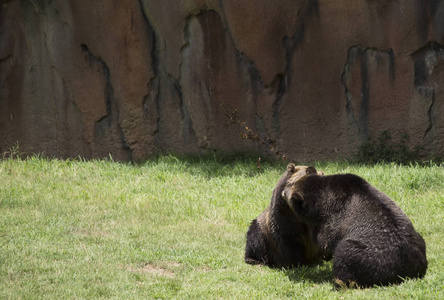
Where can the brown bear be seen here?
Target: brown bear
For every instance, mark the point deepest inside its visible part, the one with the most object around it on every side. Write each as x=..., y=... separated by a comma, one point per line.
x=277, y=238
x=371, y=239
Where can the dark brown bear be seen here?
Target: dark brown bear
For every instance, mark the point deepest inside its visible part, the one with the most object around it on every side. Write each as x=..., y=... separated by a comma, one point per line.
x=371, y=239
x=277, y=238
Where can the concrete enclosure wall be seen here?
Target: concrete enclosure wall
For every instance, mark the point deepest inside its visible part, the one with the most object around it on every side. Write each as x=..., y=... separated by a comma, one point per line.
x=137, y=77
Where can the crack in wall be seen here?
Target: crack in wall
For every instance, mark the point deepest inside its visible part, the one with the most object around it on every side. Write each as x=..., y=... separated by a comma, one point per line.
x=6, y=58
x=307, y=10
x=188, y=133
x=426, y=12
x=291, y=44
x=431, y=96
x=154, y=86
x=313, y=7
x=425, y=60
x=276, y=106
x=37, y=8
x=112, y=111
x=360, y=55
x=364, y=110
x=255, y=77
x=250, y=75
x=344, y=77
x=109, y=90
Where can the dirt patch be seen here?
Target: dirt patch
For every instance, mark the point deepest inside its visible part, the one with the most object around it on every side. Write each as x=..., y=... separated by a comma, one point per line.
x=203, y=269
x=157, y=271
x=164, y=269
x=89, y=232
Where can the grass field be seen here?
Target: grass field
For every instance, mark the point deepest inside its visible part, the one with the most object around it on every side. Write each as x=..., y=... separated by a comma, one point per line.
x=175, y=228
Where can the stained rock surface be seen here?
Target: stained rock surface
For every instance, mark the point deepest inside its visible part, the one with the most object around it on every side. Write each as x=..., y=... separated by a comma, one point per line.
x=134, y=78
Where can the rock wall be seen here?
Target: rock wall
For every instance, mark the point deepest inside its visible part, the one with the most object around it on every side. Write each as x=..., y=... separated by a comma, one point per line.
x=134, y=78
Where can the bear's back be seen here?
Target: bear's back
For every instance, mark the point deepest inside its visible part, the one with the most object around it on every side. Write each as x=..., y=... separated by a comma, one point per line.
x=366, y=227
x=364, y=206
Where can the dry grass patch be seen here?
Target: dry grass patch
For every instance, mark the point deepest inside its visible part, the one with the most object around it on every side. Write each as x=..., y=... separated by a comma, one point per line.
x=162, y=268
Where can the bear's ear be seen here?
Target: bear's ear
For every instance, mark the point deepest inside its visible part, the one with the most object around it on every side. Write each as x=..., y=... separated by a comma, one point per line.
x=291, y=168
x=290, y=196
x=311, y=170
x=284, y=194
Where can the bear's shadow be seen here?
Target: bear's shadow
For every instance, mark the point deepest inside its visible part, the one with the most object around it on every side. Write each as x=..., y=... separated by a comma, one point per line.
x=318, y=273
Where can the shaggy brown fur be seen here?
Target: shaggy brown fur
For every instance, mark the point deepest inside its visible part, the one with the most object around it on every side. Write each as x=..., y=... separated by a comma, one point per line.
x=371, y=239
x=277, y=238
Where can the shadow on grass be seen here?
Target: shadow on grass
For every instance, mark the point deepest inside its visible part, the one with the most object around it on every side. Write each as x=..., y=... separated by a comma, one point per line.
x=317, y=274
x=221, y=164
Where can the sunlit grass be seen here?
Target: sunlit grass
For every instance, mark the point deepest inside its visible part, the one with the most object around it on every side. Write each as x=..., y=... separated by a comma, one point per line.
x=175, y=228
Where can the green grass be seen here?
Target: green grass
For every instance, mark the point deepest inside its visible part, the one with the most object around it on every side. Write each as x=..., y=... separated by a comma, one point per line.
x=175, y=228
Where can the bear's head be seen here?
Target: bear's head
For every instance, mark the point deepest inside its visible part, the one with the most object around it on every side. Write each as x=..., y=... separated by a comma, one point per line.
x=277, y=238
x=293, y=191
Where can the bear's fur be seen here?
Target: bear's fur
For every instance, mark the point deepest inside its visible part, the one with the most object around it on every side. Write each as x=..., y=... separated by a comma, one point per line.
x=277, y=238
x=371, y=239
